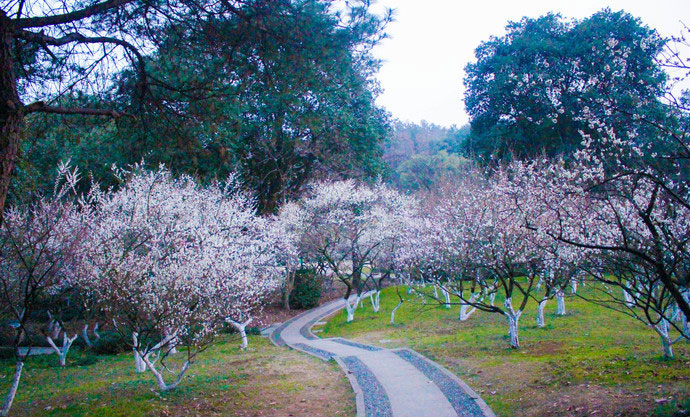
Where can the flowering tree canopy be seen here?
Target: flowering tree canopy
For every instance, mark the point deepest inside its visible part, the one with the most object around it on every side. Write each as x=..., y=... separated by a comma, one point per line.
x=170, y=261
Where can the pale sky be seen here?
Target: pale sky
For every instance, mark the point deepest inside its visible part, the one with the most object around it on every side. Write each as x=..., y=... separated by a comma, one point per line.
x=431, y=41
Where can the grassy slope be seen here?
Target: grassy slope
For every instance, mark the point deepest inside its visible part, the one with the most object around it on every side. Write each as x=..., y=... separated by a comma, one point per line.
x=263, y=381
x=591, y=359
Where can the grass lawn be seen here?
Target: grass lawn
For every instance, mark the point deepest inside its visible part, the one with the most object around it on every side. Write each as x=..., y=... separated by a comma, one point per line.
x=263, y=381
x=593, y=361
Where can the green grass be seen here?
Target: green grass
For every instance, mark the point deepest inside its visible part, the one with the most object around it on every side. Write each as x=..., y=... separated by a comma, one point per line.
x=225, y=381
x=591, y=359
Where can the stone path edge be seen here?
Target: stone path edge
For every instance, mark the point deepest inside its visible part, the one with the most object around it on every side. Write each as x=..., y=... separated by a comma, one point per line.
x=359, y=394
x=488, y=412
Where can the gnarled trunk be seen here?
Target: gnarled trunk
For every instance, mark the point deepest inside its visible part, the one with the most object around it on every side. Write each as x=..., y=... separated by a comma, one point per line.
x=64, y=349
x=241, y=327
x=159, y=376
x=350, y=308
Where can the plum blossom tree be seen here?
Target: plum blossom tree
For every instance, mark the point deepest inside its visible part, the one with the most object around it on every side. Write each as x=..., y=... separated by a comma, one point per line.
x=171, y=261
x=38, y=245
x=346, y=227
x=631, y=234
x=481, y=244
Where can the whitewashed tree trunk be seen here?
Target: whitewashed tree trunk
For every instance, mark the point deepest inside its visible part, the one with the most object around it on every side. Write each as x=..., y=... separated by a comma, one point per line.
x=662, y=329
x=492, y=298
x=242, y=328
x=541, y=280
x=560, y=300
x=573, y=286
x=13, y=388
x=629, y=301
x=173, y=348
x=85, y=334
x=540, y=311
x=64, y=349
x=513, y=318
x=436, y=291
x=375, y=300
x=446, y=296
x=465, y=310
x=394, y=310
x=139, y=364
x=159, y=377
x=350, y=308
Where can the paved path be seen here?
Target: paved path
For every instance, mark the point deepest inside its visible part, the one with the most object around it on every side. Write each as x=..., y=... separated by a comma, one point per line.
x=387, y=382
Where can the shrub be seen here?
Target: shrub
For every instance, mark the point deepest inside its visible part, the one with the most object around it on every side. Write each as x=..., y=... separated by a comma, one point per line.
x=307, y=290
x=110, y=343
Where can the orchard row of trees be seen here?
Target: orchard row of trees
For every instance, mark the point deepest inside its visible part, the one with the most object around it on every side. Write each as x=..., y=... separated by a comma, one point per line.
x=161, y=261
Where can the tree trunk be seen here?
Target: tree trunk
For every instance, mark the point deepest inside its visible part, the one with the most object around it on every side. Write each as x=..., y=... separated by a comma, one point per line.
x=375, y=301
x=573, y=286
x=13, y=388
x=11, y=110
x=350, y=308
x=64, y=349
x=629, y=301
x=662, y=329
x=513, y=317
x=394, y=310
x=560, y=299
x=241, y=327
x=139, y=364
x=159, y=377
x=85, y=335
x=465, y=310
x=446, y=297
x=540, y=312
x=289, y=283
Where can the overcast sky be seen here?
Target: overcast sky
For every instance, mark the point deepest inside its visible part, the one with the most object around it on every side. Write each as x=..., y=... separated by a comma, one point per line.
x=432, y=40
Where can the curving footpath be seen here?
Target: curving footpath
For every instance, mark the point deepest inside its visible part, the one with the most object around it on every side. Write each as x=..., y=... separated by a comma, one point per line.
x=387, y=382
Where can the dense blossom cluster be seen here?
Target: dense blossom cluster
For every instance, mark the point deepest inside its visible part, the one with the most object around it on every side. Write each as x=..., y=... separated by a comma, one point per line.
x=166, y=262
x=350, y=231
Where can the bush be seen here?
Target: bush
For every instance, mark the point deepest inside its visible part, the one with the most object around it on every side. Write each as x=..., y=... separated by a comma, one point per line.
x=307, y=290
x=110, y=343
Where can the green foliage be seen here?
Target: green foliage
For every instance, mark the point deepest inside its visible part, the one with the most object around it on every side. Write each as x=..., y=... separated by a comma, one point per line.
x=420, y=155
x=110, y=343
x=534, y=89
x=278, y=93
x=307, y=289
x=422, y=172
